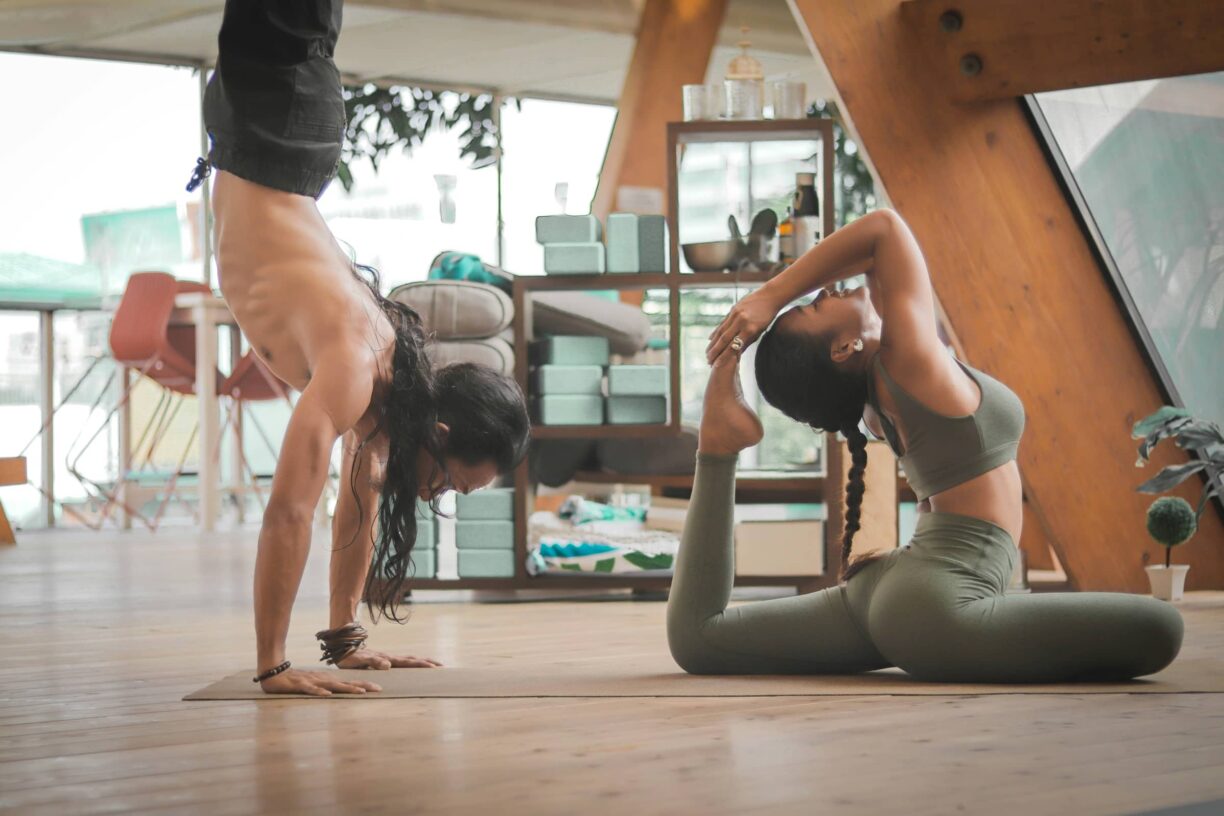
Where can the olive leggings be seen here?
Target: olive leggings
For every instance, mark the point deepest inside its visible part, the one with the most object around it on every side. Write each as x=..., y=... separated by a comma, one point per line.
x=936, y=608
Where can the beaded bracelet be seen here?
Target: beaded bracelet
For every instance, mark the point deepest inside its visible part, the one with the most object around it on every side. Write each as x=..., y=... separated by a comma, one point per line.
x=271, y=672
x=337, y=644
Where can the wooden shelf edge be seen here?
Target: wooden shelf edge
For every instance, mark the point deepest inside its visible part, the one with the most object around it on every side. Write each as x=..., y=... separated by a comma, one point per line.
x=602, y=431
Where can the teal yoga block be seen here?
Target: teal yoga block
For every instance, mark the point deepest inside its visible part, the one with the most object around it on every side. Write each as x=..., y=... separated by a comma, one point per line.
x=636, y=410
x=568, y=229
x=571, y=350
x=563, y=379
x=486, y=563
x=484, y=535
x=495, y=503
x=637, y=243
x=575, y=259
x=637, y=380
x=569, y=409
x=424, y=564
x=426, y=534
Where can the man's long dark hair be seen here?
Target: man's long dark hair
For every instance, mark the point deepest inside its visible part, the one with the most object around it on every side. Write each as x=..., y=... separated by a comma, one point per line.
x=488, y=421
x=797, y=376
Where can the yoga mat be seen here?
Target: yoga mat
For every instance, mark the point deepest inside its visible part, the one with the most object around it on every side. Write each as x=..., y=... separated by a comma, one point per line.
x=1193, y=675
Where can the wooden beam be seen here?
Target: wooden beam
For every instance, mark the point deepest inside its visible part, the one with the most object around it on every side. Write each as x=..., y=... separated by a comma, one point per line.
x=1021, y=287
x=674, y=42
x=997, y=49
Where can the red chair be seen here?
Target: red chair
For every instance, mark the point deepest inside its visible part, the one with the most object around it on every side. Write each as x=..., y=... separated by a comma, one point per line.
x=141, y=338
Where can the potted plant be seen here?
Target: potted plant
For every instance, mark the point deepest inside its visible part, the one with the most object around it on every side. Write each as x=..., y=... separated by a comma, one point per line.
x=1170, y=520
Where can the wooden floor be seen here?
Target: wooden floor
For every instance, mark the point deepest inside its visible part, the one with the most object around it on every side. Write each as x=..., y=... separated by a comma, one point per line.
x=103, y=633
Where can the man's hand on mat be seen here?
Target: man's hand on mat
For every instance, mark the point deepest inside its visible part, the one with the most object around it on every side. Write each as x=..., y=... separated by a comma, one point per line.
x=371, y=659
x=318, y=683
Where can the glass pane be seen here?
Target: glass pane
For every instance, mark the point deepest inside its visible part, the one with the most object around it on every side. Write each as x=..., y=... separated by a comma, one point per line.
x=1148, y=158
x=416, y=205
x=721, y=179
x=552, y=153
x=103, y=154
x=20, y=415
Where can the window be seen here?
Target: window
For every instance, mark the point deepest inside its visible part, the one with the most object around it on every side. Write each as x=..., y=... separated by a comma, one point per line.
x=1146, y=161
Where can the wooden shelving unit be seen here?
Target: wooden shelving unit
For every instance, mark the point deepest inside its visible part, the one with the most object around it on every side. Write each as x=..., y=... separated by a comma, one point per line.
x=787, y=487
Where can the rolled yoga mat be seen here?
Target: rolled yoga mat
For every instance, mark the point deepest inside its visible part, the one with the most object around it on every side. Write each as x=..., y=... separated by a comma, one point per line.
x=1184, y=676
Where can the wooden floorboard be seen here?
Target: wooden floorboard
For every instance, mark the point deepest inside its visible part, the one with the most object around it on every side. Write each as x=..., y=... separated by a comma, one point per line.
x=104, y=633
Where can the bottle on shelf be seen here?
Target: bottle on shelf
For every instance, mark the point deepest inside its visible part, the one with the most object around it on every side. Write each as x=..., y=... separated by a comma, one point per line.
x=805, y=216
x=786, y=239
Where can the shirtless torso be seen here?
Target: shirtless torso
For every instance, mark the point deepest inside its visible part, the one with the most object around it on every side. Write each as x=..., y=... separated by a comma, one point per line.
x=290, y=285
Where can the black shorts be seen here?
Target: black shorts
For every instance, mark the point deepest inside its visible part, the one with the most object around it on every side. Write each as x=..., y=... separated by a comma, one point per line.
x=273, y=108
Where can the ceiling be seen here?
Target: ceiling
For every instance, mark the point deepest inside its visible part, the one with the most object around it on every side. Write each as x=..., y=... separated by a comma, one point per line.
x=549, y=48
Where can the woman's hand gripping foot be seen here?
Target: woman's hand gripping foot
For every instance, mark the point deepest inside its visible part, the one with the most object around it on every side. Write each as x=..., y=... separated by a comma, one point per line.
x=728, y=425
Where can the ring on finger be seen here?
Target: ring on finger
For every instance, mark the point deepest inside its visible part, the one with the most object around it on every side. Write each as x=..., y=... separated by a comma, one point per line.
x=737, y=344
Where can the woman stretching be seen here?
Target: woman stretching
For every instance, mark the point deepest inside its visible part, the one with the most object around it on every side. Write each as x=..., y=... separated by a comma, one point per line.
x=275, y=115
x=936, y=607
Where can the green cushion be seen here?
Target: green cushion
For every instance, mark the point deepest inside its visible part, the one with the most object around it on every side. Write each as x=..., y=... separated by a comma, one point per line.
x=486, y=564
x=563, y=379
x=569, y=409
x=484, y=535
x=568, y=349
x=492, y=503
x=637, y=380
x=636, y=410
x=574, y=259
x=565, y=229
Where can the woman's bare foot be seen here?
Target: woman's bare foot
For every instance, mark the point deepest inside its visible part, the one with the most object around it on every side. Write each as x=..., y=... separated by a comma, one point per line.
x=728, y=425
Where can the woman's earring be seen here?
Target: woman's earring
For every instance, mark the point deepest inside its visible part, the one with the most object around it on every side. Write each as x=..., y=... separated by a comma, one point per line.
x=858, y=344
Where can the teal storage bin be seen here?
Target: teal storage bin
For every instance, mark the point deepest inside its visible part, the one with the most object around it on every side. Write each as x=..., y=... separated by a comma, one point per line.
x=567, y=229
x=569, y=409
x=426, y=535
x=575, y=259
x=637, y=410
x=486, y=563
x=484, y=535
x=637, y=380
x=424, y=564
x=637, y=243
x=564, y=379
x=570, y=350
x=495, y=503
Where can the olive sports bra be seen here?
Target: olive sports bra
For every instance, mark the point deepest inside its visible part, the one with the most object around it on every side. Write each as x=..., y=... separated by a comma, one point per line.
x=941, y=451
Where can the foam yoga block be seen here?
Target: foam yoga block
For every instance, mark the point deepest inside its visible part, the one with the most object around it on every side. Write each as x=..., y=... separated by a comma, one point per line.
x=636, y=410
x=426, y=535
x=574, y=259
x=569, y=409
x=567, y=229
x=636, y=243
x=484, y=535
x=562, y=379
x=570, y=350
x=486, y=563
x=637, y=380
x=492, y=503
x=424, y=564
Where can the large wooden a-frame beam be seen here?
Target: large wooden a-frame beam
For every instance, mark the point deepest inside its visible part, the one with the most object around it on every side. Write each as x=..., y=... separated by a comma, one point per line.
x=1020, y=286
x=674, y=41
x=1001, y=49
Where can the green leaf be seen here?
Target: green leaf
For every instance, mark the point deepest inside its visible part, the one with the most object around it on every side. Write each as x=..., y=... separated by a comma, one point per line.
x=1170, y=477
x=1149, y=424
x=605, y=565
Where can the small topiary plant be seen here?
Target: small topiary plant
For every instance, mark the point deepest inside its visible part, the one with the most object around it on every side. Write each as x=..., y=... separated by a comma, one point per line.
x=1171, y=521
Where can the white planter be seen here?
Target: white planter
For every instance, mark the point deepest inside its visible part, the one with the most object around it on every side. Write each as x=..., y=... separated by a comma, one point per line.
x=1168, y=583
